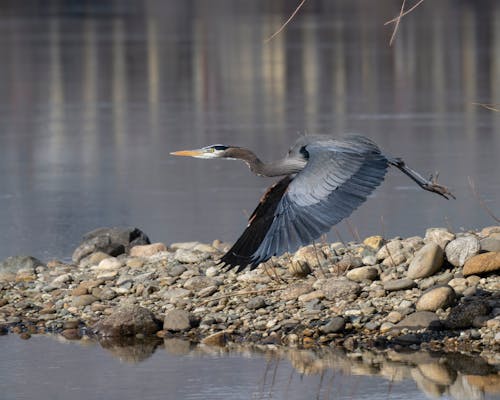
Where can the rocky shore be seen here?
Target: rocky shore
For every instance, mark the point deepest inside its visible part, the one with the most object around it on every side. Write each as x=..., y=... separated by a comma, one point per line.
x=439, y=292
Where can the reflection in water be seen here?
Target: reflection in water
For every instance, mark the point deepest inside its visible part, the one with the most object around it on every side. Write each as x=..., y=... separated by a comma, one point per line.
x=94, y=97
x=454, y=375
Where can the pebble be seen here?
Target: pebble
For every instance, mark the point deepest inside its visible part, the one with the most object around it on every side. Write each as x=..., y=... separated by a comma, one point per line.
x=256, y=302
x=110, y=263
x=177, y=320
x=362, y=273
x=335, y=288
x=426, y=261
x=436, y=298
x=147, y=250
x=399, y=284
x=418, y=320
x=190, y=257
x=374, y=242
x=334, y=325
x=83, y=300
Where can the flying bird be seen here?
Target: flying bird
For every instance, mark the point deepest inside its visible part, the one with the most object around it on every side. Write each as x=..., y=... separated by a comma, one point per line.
x=324, y=181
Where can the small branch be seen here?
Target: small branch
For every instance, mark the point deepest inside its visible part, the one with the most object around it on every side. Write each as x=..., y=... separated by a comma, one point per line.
x=285, y=24
x=398, y=20
x=481, y=201
x=491, y=107
x=403, y=14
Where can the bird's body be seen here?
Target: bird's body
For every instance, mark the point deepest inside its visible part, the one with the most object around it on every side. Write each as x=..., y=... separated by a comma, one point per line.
x=324, y=181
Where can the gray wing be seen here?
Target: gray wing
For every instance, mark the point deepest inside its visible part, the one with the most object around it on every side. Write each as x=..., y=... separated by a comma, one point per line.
x=338, y=177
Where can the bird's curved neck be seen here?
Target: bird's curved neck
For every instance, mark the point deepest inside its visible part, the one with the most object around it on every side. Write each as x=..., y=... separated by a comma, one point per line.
x=285, y=166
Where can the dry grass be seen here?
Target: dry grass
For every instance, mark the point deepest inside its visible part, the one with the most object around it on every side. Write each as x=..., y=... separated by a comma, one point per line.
x=397, y=19
x=286, y=23
x=482, y=203
x=491, y=107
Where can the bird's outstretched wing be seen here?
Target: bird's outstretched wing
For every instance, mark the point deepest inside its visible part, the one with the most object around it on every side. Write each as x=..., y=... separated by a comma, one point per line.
x=338, y=177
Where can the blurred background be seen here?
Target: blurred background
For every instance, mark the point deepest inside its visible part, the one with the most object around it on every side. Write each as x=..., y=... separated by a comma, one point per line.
x=95, y=94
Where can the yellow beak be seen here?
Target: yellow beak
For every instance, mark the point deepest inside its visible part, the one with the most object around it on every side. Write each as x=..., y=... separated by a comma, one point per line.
x=187, y=153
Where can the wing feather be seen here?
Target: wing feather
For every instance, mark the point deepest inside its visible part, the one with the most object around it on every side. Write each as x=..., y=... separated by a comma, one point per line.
x=338, y=178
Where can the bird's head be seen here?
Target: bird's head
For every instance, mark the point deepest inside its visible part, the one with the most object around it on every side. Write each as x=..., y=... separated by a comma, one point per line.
x=213, y=151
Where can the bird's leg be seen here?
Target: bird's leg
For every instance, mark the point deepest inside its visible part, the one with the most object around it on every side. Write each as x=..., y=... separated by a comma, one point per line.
x=430, y=184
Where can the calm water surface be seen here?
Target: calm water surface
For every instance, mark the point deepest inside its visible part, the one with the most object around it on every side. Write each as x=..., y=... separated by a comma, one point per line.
x=95, y=94
x=43, y=368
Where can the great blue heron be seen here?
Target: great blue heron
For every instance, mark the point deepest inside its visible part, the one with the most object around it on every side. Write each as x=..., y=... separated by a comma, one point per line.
x=325, y=180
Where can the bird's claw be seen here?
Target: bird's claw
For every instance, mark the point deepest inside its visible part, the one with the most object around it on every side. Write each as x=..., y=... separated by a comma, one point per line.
x=434, y=186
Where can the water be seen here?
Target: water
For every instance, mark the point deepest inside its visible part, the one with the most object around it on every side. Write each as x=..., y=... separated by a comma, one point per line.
x=44, y=368
x=95, y=94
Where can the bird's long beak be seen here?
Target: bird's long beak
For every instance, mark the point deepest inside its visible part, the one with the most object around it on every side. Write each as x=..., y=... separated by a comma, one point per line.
x=187, y=153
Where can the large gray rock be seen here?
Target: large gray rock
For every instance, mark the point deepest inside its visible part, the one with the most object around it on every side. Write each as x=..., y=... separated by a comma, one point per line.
x=128, y=321
x=435, y=298
x=15, y=264
x=426, y=262
x=458, y=251
x=112, y=241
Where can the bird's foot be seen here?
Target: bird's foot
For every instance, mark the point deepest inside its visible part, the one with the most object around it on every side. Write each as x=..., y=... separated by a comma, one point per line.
x=433, y=186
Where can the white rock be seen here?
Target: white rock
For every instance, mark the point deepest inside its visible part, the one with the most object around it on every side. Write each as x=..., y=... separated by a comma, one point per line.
x=458, y=251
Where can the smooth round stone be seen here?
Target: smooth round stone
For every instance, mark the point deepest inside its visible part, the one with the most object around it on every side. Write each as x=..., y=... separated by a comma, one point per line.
x=418, y=320
x=190, y=257
x=336, y=324
x=362, y=273
x=176, y=320
x=436, y=298
x=256, y=302
x=426, y=262
x=83, y=300
x=147, y=250
x=482, y=263
x=399, y=284
x=110, y=263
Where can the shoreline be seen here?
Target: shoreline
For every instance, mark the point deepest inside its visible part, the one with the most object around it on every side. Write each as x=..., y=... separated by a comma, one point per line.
x=436, y=293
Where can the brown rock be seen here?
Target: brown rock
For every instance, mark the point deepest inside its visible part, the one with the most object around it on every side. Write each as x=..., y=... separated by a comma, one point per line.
x=147, y=250
x=435, y=298
x=217, y=339
x=128, y=321
x=482, y=263
x=374, y=242
x=426, y=262
x=488, y=383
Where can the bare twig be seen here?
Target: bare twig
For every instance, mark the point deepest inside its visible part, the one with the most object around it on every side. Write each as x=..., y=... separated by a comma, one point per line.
x=405, y=13
x=398, y=20
x=481, y=201
x=286, y=23
x=491, y=107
